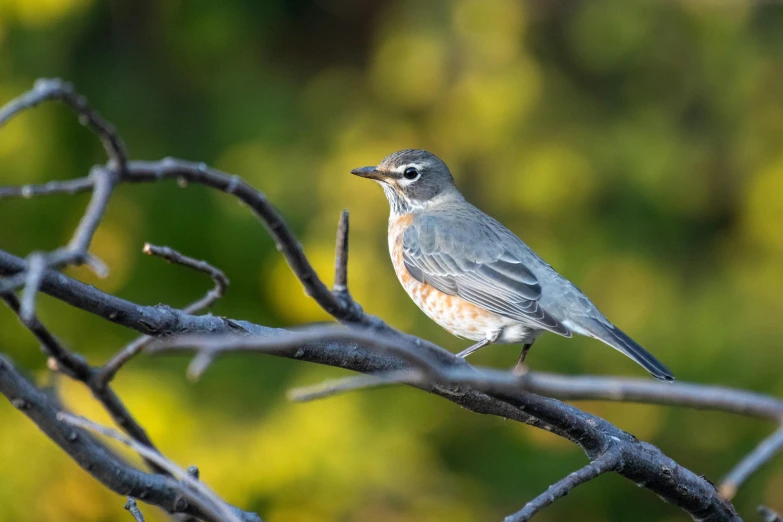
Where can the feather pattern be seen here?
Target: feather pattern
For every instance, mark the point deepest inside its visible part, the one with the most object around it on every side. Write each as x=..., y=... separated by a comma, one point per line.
x=470, y=262
x=472, y=275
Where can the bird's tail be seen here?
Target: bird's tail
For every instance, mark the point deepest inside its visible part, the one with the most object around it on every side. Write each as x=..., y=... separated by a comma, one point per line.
x=618, y=340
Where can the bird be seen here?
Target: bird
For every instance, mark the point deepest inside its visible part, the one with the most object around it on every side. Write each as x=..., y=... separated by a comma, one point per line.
x=472, y=275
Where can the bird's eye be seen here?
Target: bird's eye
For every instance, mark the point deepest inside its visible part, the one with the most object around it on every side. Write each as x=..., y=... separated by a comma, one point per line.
x=411, y=173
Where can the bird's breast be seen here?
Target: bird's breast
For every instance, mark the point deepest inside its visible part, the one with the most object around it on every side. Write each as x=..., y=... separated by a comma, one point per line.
x=454, y=314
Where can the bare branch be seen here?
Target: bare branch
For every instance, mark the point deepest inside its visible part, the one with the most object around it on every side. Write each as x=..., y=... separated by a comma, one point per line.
x=106, y=467
x=71, y=186
x=220, y=279
x=76, y=253
x=106, y=373
x=131, y=506
x=205, y=499
x=698, y=396
x=355, y=383
x=587, y=387
x=143, y=171
x=35, y=267
x=341, y=255
x=55, y=89
x=768, y=515
x=599, y=466
x=214, y=345
x=66, y=362
x=77, y=368
x=103, y=182
x=377, y=349
x=497, y=383
x=110, y=369
x=645, y=464
x=765, y=451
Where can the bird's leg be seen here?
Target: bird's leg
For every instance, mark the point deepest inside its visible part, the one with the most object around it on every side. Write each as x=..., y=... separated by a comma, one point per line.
x=479, y=345
x=520, y=369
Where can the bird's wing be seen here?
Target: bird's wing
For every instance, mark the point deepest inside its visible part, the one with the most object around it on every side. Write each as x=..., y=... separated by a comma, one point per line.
x=468, y=259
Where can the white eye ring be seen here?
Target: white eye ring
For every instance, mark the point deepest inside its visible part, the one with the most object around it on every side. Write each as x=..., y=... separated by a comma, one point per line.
x=411, y=173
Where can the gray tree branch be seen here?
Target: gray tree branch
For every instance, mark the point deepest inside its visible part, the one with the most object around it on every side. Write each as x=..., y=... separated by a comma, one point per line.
x=133, y=509
x=369, y=346
x=107, y=372
x=194, y=491
x=768, y=515
x=106, y=467
x=563, y=487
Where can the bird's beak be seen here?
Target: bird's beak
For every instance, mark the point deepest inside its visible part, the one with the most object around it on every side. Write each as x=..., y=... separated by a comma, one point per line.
x=368, y=172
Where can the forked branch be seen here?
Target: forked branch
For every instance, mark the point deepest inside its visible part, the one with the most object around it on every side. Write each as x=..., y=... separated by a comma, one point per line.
x=607, y=462
x=369, y=346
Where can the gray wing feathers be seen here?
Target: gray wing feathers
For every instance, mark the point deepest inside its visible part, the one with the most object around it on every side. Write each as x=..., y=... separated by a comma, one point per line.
x=470, y=260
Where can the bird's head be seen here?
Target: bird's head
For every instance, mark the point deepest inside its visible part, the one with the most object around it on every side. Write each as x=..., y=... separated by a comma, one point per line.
x=412, y=179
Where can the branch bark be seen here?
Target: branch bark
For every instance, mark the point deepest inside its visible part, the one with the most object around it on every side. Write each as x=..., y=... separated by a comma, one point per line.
x=195, y=492
x=644, y=464
x=133, y=509
x=96, y=459
x=768, y=515
x=369, y=347
x=107, y=372
x=607, y=462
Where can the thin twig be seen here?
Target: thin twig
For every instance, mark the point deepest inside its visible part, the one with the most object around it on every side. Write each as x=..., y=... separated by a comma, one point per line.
x=193, y=472
x=760, y=455
x=352, y=383
x=69, y=186
x=769, y=515
x=698, y=396
x=603, y=388
x=36, y=264
x=110, y=369
x=212, y=346
x=100, y=461
x=77, y=368
x=341, y=255
x=46, y=89
x=131, y=506
x=271, y=219
x=76, y=253
x=205, y=498
x=644, y=391
x=338, y=306
x=217, y=275
x=607, y=462
x=103, y=182
x=706, y=397
x=67, y=362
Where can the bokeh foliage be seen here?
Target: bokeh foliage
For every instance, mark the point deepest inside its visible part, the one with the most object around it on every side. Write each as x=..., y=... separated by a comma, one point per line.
x=637, y=145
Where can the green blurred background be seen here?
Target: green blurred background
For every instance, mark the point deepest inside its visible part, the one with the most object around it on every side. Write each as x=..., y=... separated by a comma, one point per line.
x=636, y=145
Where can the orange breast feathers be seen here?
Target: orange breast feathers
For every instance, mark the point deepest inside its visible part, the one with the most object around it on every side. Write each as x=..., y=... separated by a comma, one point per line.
x=453, y=313
x=397, y=227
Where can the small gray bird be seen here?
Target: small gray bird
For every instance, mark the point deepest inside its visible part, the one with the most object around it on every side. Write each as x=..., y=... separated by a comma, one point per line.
x=472, y=275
